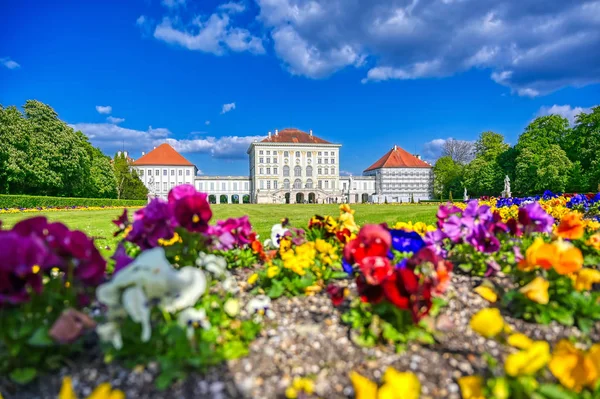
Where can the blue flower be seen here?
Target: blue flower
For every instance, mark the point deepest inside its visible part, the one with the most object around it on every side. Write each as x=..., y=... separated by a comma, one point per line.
x=347, y=267
x=406, y=241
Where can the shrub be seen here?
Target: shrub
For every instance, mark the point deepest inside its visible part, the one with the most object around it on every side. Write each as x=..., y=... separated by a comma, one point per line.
x=33, y=201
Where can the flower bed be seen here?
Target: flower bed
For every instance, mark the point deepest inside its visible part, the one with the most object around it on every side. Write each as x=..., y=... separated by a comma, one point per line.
x=514, y=285
x=34, y=201
x=62, y=208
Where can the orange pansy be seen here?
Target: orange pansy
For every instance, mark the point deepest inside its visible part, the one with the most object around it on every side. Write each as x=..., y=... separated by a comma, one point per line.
x=538, y=254
x=570, y=258
x=571, y=226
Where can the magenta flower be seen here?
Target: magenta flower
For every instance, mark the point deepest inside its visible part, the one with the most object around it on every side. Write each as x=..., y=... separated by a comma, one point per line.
x=231, y=232
x=151, y=224
x=535, y=219
x=192, y=212
x=121, y=258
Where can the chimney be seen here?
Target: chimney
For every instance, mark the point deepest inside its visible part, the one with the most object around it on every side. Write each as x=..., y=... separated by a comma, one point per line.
x=269, y=134
x=125, y=154
x=310, y=132
x=118, y=153
x=143, y=153
x=154, y=148
x=276, y=132
x=418, y=156
x=395, y=147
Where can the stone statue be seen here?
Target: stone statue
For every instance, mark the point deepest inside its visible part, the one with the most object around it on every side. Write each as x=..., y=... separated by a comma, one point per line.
x=465, y=196
x=506, y=192
x=151, y=193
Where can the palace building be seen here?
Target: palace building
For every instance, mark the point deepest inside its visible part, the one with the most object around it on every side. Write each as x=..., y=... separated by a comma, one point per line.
x=292, y=166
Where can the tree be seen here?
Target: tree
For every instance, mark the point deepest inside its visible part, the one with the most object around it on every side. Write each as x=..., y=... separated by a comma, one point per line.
x=583, y=144
x=103, y=183
x=543, y=132
x=128, y=183
x=490, y=145
x=447, y=176
x=461, y=152
x=484, y=175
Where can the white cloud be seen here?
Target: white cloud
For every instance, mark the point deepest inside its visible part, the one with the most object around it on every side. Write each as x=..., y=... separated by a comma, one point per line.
x=207, y=123
x=233, y=7
x=141, y=20
x=8, y=63
x=566, y=111
x=104, y=109
x=530, y=49
x=432, y=150
x=345, y=173
x=173, y=3
x=213, y=35
x=111, y=137
x=199, y=173
x=112, y=119
x=227, y=107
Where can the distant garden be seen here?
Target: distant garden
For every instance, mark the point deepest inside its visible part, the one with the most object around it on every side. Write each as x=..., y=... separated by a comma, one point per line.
x=42, y=155
x=549, y=155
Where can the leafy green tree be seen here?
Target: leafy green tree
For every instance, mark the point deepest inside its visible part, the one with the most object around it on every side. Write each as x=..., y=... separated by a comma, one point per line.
x=490, y=146
x=14, y=139
x=129, y=185
x=544, y=131
x=484, y=175
x=102, y=176
x=447, y=176
x=583, y=145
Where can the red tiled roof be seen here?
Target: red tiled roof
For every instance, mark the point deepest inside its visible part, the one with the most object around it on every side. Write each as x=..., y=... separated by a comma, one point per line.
x=398, y=158
x=292, y=135
x=164, y=154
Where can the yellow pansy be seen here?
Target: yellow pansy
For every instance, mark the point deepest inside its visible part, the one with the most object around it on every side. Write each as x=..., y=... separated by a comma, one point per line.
x=574, y=368
x=313, y=289
x=585, y=278
x=346, y=221
x=398, y=385
x=537, y=290
x=272, y=271
x=471, y=387
x=300, y=385
x=520, y=341
x=364, y=388
x=486, y=293
x=345, y=208
x=252, y=279
x=528, y=361
x=594, y=241
x=102, y=391
x=487, y=322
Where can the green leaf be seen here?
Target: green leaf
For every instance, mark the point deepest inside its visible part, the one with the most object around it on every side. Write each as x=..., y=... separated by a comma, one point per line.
x=276, y=290
x=552, y=391
x=164, y=380
x=40, y=338
x=23, y=376
x=339, y=275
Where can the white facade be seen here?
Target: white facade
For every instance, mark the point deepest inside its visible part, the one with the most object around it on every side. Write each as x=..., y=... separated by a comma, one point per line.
x=224, y=189
x=358, y=189
x=288, y=172
x=402, y=184
x=160, y=179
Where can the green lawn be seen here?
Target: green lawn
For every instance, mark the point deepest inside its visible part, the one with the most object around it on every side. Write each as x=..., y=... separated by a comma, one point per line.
x=98, y=223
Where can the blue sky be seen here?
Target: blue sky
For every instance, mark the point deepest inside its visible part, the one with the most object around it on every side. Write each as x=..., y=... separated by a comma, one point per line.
x=366, y=74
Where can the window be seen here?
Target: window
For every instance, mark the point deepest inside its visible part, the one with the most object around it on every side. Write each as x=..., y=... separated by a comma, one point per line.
x=164, y=172
x=246, y=186
x=172, y=172
x=286, y=154
x=297, y=171
x=274, y=171
x=173, y=185
x=223, y=186
x=268, y=160
x=157, y=185
x=326, y=160
x=268, y=152
x=309, y=170
x=319, y=171
x=309, y=154
x=319, y=161
x=332, y=161
x=319, y=153
x=274, y=160
x=212, y=186
x=261, y=160
x=297, y=184
x=286, y=184
x=165, y=186
x=180, y=172
x=260, y=171
x=325, y=171
x=262, y=184
x=320, y=184
x=333, y=171
x=365, y=186
x=157, y=172
x=268, y=184
x=326, y=184
x=141, y=172
x=149, y=172
x=235, y=186
x=260, y=152
x=268, y=171
x=309, y=183
x=297, y=154
x=187, y=172
x=200, y=186
x=275, y=184
x=286, y=171
x=345, y=187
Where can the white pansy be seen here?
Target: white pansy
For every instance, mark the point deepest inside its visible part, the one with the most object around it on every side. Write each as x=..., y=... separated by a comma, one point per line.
x=217, y=265
x=232, y=307
x=191, y=318
x=230, y=284
x=260, y=305
x=277, y=231
x=189, y=285
x=110, y=332
x=136, y=305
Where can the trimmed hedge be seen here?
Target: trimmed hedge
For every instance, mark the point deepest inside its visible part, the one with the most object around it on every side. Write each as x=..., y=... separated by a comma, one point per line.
x=34, y=201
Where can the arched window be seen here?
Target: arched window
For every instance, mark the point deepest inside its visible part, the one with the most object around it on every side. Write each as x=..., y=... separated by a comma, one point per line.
x=286, y=154
x=309, y=183
x=333, y=171
x=286, y=184
x=297, y=154
x=319, y=170
x=297, y=184
x=309, y=170
x=286, y=170
x=309, y=154
x=297, y=171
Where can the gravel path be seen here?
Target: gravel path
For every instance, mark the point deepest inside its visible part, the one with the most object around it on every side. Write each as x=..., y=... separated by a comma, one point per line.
x=307, y=338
